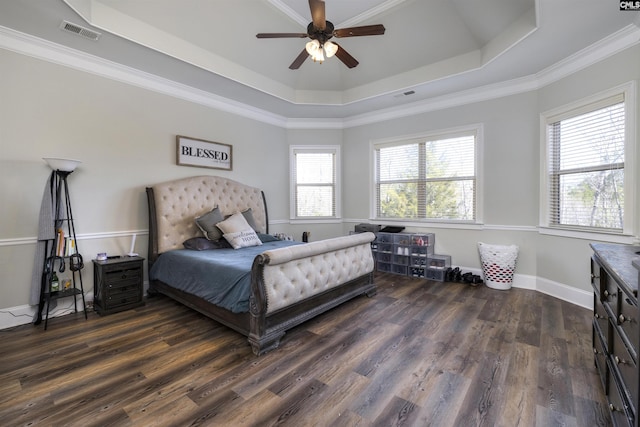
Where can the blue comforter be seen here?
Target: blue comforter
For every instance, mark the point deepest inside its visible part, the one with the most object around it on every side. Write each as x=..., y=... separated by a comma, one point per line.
x=220, y=276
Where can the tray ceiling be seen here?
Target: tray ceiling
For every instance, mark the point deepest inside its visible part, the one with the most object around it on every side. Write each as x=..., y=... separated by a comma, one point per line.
x=430, y=48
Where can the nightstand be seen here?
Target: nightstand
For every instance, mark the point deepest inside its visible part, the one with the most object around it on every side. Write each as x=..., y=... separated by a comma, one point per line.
x=117, y=284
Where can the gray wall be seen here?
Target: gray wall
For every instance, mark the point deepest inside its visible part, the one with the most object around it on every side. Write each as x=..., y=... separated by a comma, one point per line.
x=125, y=137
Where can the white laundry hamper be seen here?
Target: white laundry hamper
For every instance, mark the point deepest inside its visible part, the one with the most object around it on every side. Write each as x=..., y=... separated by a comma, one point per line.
x=498, y=264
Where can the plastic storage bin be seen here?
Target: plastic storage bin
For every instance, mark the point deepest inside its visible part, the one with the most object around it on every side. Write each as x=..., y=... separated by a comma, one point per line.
x=441, y=262
x=436, y=274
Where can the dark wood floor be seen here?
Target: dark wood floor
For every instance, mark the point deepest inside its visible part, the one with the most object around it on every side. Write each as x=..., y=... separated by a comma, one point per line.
x=417, y=354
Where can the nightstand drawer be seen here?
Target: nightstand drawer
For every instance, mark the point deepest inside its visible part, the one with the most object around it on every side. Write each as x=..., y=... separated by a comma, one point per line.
x=113, y=289
x=122, y=299
x=120, y=275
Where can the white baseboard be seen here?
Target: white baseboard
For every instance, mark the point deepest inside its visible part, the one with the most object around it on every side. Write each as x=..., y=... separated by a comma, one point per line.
x=24, y=314
x=21, y=315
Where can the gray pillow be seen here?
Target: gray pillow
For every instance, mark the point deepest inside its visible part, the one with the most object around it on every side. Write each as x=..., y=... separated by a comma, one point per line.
x=202, y=244
x=248, y=216
x=207, y=224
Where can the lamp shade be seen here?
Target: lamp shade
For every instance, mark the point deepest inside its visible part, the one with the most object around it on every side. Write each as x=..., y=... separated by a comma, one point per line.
x=312, y=47
x=65, y=165
x=330, y=49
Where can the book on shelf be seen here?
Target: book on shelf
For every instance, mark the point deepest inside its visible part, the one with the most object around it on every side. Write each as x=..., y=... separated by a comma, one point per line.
x=60, y=241
x=70, y=245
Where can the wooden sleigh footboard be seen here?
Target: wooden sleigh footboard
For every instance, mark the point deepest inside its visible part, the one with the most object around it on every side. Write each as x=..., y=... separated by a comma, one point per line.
x=294, y=284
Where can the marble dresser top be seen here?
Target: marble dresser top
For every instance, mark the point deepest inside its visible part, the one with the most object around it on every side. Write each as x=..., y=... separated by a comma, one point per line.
x=620, y=260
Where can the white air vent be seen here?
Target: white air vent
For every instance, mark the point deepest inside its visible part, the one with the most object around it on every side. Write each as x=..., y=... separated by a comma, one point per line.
x=79, y=30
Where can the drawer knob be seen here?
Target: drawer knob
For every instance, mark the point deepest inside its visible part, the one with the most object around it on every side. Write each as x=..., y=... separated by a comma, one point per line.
x=595, y=350
x=593, y=276
x=607, y=294
x=620, y=361
x=597, y=316
x=613, y=408
x=622, y=319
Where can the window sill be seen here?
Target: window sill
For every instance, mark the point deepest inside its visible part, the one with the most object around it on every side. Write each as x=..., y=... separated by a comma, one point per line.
x=588, y=235
x=315, y=221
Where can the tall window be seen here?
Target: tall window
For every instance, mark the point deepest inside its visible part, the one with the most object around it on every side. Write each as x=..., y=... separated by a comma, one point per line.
x=314, y=182
x=587, y=164
x=427, y=178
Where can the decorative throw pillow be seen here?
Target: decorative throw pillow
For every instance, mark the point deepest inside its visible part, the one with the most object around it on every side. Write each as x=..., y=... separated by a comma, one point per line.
x=203, y=244
x=248, y=215
x=238, y=232
x=264, y=238
x=243, y=239
x=233, y=224
x=207, y=224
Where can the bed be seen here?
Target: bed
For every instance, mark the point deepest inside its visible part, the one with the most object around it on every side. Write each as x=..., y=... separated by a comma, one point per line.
x=284, y=283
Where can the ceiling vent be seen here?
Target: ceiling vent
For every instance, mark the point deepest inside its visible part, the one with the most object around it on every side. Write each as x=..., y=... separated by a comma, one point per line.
x=407, y=93
x=79, y=30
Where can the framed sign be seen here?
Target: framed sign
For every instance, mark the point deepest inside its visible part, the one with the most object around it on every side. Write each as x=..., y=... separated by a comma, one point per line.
x=204, y=154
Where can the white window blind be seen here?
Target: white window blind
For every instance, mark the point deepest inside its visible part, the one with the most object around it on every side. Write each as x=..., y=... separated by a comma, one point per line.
x=586, y=160
x=314, y=179
x=431, y=178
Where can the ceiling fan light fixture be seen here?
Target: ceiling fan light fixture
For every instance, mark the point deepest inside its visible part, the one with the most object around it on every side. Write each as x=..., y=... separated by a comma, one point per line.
x=312, y=47
x=330, y=49
x=318, y=56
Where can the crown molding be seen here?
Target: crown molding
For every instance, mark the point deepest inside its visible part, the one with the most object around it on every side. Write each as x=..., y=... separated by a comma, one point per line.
x=38, y=48
x=42, y=49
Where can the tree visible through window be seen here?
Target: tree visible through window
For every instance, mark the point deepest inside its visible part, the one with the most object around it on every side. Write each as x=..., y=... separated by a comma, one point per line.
x=586, y=162
x=427, y=179
x=314, y=180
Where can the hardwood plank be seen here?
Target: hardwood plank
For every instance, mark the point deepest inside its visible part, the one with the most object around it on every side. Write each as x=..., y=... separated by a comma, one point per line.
x=443, y=398
x=520, y=409
x=418, y=353
x=555, y=385
x=485, y=393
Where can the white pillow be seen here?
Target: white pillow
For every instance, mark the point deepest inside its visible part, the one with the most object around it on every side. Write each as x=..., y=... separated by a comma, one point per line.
x=238, y=232
x=243, y=239
x=233, y=224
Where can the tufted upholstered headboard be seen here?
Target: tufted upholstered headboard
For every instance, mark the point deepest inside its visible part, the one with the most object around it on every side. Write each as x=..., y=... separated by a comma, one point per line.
x=174, y=205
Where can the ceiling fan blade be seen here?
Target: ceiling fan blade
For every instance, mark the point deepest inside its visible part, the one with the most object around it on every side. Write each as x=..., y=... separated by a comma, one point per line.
x=299, y=60
x=280, y=35
x=345, y=57
x=318, y=14
x=365, y=30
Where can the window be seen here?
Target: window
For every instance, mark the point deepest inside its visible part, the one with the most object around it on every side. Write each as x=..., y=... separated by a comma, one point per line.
x=427, y=178
x=587, y=166
x=314, y=182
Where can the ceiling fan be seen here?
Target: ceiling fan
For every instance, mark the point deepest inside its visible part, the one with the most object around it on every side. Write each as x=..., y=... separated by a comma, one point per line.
x=320, y=31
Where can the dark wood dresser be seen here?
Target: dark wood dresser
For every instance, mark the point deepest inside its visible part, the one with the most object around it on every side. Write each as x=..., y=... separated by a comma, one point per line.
x=616, y=334
x=117, y=284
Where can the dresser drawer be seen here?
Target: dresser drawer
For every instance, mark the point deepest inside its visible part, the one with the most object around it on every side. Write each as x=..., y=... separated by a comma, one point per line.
x=626, y=368
x=618, y=405
x=610, y=297
x=628, y=321
x=600, y=356
x=601, y=317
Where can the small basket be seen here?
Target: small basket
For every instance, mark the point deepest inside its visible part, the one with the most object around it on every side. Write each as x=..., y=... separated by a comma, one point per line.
x=498, y=264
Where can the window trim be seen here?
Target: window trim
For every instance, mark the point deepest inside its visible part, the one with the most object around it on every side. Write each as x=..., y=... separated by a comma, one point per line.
x=628, y=90
x=293, y=211
x=477, y=128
